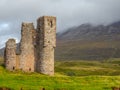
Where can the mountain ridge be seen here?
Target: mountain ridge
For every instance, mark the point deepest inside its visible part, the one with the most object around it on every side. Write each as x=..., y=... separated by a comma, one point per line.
x=88, y=41
x=87, y=31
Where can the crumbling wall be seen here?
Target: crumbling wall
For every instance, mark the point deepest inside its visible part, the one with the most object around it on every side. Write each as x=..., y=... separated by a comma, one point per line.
x=27, y=58
x=36, y=47
x=17, y=62
x=10, y=55
x=46, y=28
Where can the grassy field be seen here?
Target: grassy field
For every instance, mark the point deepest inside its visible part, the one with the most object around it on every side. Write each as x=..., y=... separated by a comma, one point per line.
x=69, y=75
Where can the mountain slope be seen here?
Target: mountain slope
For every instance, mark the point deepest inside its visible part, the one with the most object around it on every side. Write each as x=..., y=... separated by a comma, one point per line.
x=89, y=32
x=89, y=42
x=1, y=52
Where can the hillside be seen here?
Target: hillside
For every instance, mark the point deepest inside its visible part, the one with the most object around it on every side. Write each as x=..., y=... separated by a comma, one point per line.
x=69, y=75
x=1, y=52
x=89, y=42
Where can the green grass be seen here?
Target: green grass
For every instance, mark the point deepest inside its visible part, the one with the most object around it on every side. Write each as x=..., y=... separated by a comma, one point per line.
x=85, y=68
x=69, y=75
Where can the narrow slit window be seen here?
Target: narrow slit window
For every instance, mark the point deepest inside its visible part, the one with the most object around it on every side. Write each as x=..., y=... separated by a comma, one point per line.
x=13, y=68
x=51, y=24
x=29, y=69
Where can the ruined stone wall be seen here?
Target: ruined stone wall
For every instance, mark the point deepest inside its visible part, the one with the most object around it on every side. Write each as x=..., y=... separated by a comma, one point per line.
x=17, y=62
x=27, y=58
x=34, y=35
x=36, y=47
x=46, y=28
x=10, y=55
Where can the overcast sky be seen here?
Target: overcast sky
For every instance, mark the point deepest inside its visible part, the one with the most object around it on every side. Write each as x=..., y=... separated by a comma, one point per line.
x=68, y=12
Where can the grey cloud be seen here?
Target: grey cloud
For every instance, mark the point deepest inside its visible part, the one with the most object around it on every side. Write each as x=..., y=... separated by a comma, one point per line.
x=69, y=13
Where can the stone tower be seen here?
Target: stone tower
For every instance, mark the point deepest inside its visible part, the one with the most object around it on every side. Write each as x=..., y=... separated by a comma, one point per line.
x=46, y=29
x=36, y=47
x=27, y=57
x=10, y=55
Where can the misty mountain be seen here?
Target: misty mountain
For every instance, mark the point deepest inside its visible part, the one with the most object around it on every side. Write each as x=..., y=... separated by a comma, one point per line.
x=90, y=32
x=88, y=41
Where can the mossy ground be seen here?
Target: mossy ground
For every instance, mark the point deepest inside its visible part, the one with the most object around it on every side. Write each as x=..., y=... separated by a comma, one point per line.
x=69, y=75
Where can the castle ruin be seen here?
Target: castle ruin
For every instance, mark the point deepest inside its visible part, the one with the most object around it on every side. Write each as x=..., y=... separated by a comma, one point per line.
x=36, y=47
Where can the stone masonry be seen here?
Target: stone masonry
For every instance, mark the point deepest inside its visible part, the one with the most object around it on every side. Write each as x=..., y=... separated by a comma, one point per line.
x=46, y=28
x=36, y=47
x=10, y=54
x=27, y=59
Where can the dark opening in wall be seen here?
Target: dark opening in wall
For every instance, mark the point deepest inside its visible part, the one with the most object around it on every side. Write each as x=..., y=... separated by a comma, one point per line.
x=51, y=24
x=44, y=46
x=13, y=68
x=29, y=69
